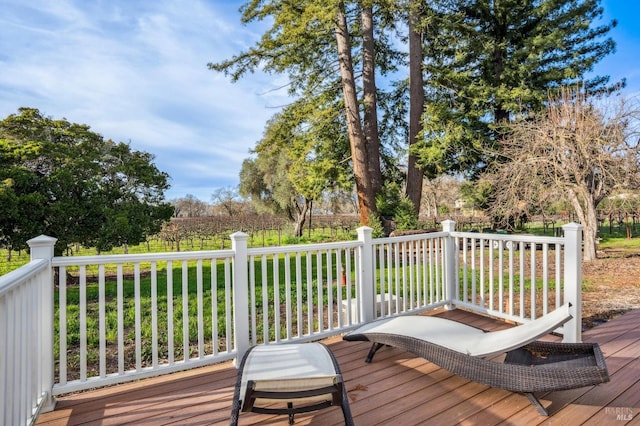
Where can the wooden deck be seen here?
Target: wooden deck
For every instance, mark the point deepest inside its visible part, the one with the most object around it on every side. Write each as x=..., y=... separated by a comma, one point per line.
x=397, y=388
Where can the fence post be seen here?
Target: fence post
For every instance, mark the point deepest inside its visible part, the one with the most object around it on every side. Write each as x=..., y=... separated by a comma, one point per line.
x=573, y=280
x=241, y=334
x=448, y=252
x=41, y=247
x=366, y=284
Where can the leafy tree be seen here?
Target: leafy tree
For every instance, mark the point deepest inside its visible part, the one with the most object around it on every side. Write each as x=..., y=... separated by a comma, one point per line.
x=264, y=181
x=578, y=150
x=485, y=61
x=330, y=50
x=62, y=179
x=479, y=195
x=392, y=204
x=297, y=160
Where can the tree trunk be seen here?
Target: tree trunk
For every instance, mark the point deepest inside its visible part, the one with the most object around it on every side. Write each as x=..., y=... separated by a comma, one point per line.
x=416, y=104
x=301, y=217
x=366, y=197
x=586, y=212
x=369, y=101
x=590, y=247
x=499, y=54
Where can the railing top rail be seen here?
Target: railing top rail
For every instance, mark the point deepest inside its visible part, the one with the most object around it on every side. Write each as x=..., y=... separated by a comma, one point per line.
x=412, y=237
x=509, y=237
x=142, y=257
x=259, y=251
x=20, y=275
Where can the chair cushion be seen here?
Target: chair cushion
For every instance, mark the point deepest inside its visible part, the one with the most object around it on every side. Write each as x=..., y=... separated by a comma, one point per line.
x=289, y=368
x=464, y=338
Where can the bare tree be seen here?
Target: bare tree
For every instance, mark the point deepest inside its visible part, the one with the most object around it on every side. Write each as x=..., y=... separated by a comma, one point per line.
x=581, y=150
x=438, y=192
x=189, y=206
x=228, y=199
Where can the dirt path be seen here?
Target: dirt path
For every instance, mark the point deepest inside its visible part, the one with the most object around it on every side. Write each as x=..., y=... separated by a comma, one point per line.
x=611, y=286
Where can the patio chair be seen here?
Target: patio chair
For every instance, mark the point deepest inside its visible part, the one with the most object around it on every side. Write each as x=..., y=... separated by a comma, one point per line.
x=529, y=365
x=289, y=379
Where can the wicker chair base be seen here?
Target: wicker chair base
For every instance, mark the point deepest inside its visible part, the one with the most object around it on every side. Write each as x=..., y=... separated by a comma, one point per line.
x=535, y=367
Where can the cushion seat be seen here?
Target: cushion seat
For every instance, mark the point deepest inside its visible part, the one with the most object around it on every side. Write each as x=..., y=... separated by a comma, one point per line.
x=289, y=379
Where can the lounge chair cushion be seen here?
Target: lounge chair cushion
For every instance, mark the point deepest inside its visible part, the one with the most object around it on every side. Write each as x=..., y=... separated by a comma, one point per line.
x=464, y=338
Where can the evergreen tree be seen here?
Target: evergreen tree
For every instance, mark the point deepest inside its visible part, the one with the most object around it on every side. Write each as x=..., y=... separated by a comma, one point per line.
x=488, y=60
x=416, y=101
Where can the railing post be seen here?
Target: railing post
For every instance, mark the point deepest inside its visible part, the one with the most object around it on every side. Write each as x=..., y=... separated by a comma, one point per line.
x=366, y=285
x=573, y=280
x=448, y=252
x=42, y=248
x=241, y=333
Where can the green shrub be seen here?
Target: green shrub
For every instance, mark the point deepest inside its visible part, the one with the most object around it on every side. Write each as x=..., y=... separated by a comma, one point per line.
x=376, y=224
x=405, y=215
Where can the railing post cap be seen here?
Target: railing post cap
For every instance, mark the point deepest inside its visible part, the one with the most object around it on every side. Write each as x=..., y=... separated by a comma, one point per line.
x=573, y=226
x=364, y=229
x=41, y=241
x=239, y=236
x=448, y=225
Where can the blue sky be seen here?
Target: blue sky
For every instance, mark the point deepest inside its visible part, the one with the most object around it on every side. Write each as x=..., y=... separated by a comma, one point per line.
x=135, y=71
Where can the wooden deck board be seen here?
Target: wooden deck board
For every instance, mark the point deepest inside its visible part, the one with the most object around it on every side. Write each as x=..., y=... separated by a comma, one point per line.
x=397, y=388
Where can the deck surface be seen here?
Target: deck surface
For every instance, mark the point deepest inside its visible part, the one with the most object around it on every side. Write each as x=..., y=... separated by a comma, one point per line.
x=397, y=388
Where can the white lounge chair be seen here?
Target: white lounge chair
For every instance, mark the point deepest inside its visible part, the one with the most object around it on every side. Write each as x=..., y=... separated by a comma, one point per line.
x=529, y=366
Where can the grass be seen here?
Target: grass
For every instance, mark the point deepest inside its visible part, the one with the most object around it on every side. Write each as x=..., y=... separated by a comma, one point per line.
x=614, y=237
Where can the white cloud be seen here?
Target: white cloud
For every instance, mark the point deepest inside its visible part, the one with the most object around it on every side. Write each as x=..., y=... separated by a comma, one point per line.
x=136, y=71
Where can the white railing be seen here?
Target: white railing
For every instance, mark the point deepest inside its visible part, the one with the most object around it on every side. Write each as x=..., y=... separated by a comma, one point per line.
x=520, y=277
x=26, y=331
x=124, y=317
x=302, y=292
x=410, y=273
x=120, y=318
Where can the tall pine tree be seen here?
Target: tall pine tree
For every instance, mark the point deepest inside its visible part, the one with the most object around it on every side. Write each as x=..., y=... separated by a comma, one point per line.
x=488, y=60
